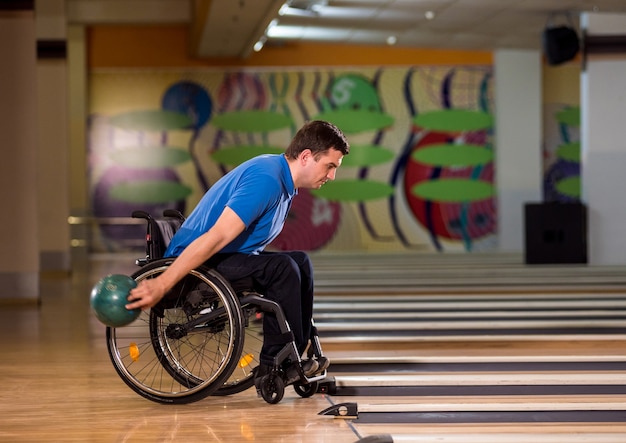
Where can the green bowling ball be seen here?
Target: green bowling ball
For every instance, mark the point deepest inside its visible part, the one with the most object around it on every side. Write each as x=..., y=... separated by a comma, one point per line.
x=109, y=297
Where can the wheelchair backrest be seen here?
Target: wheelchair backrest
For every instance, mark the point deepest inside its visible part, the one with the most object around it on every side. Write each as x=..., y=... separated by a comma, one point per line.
x=159, y=232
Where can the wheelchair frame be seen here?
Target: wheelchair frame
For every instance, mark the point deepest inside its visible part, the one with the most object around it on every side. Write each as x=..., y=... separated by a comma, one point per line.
x=203, y=338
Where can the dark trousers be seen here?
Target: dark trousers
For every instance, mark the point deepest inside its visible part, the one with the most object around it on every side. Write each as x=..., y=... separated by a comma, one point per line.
x=283, y=277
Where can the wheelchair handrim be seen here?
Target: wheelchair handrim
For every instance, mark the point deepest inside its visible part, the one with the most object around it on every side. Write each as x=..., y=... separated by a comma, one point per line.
x=194, y=386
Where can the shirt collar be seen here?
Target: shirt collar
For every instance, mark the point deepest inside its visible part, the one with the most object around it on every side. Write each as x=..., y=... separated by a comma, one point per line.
x=287, y=179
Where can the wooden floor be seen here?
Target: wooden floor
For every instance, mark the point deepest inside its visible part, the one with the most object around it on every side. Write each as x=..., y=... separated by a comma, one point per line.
x=59, y=385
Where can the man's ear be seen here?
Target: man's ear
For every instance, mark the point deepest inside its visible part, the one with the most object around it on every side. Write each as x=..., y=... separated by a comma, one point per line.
x=305, y=155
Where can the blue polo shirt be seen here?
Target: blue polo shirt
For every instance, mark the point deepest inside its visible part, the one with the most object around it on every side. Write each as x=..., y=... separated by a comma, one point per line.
x=259, y=191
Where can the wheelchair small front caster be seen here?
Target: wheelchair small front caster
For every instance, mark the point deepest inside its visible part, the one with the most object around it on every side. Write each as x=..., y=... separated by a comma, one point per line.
x=272, y=388
x=305, y=391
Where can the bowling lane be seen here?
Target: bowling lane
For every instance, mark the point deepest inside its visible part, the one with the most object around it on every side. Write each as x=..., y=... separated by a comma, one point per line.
x=431, y=360
x=494, y=433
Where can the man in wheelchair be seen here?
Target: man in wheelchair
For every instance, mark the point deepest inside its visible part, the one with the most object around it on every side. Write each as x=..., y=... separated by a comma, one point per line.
x=238, y=217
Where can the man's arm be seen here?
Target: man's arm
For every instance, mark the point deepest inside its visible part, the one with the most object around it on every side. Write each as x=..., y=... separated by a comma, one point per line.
x=227, y=227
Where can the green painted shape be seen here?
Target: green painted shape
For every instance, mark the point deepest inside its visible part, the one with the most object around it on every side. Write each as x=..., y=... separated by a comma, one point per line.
x=236, y=155
x=569, y=116
x=454, y=120
x=251, y=121
x=353, y=190
x=150, y=157
x=453, y=190
x=151, y=120
x=354, y=121
x=149, y=191
x=569, y=186
x=569, y=152
x=354, y=91
x=367, y=155
x=446, y=155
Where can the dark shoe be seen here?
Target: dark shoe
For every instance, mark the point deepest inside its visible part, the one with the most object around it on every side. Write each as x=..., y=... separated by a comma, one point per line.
x=323, y=363
x=309, y=367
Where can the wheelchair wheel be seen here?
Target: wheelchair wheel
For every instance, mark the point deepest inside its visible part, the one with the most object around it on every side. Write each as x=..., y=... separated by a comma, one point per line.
x=187, y=346
x=272, y=388
x=306, y=391
x=242, y=377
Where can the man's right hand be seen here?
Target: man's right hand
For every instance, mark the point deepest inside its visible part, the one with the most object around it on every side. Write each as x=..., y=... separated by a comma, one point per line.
x=147, y=294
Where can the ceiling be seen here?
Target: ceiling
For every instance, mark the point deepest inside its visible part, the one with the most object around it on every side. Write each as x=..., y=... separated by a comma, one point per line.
x=230, y=28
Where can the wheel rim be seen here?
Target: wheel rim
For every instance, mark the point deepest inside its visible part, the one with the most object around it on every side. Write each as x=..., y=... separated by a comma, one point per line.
x=155, y=364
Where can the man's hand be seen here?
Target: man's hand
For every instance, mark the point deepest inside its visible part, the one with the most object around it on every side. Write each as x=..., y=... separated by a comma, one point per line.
x=147, y=294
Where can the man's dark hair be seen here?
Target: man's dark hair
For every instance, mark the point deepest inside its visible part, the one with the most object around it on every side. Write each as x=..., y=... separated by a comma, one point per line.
x=319, y=136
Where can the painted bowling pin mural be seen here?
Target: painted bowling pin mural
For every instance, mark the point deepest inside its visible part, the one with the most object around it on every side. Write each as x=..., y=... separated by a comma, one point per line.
x=446, y=166
x=419, y=173
x=354, y=106
x=133, y=164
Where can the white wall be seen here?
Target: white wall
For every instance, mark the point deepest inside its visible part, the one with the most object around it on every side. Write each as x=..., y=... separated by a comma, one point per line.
x=603, y=144
x=518, y=141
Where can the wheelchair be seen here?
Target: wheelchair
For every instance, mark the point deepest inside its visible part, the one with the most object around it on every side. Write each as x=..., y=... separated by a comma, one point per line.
x=204, y=337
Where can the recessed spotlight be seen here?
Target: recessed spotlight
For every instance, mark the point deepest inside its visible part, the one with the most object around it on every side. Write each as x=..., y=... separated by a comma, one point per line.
x=391, y=40
x=429, y=15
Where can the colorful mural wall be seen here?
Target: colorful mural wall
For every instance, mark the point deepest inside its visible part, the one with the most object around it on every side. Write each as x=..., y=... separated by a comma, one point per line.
x=419, y=176
x=562, y=153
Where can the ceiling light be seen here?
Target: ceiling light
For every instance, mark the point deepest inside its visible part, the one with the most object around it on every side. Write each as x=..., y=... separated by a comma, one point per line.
x=272, y=24
x=317, y=6
x=259, y=45
x=307, y=8
x=283, y=31
x=391, y=40
x=429, y=15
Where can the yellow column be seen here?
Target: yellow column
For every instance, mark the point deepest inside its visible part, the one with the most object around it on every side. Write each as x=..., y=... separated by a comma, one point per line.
x=53, y=152
x=19, y=237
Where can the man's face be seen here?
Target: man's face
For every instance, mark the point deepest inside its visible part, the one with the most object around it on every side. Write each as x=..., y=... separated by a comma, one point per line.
x=321, y=168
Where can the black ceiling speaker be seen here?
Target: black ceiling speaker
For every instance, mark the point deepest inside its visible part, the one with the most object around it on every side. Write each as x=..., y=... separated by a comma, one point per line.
x=560, y=43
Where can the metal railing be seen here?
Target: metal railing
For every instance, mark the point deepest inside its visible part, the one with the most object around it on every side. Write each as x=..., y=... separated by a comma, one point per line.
x=87, y=232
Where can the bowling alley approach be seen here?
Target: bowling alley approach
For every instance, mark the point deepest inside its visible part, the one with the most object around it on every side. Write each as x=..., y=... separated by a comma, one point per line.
x=412, y=358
